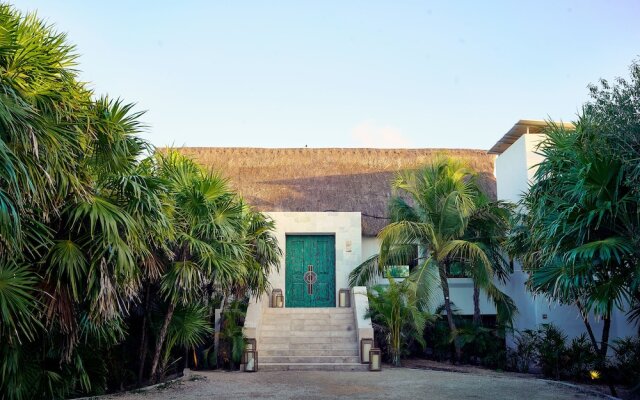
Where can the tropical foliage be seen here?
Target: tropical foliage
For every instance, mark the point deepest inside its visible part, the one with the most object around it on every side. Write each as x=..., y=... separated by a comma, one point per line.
x=614, y=107
x=111, y=255
x=396, y=314
x=441, y=209
x=557, y=356
x=578, y=238
x=578, y=234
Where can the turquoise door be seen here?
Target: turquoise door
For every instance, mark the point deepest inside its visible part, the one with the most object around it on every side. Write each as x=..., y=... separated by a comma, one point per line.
x=310, y=271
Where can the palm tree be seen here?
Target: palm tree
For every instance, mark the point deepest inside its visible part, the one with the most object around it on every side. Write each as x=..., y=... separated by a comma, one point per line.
x=395, y=309
x=89, y=226
x=68, y=245
x=209, y=247
x=39, y=153
x=263, y=255
x=488, y=227
x=432, y=209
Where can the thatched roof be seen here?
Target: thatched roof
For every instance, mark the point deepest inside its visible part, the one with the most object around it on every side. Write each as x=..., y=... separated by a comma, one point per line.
x=326, y=179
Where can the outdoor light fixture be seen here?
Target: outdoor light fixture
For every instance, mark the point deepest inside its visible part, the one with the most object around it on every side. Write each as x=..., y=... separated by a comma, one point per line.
x=249, y=345
x=375, y=355
x=277, y=298
x=344, y=298
x=365, y=346
x=251, y=358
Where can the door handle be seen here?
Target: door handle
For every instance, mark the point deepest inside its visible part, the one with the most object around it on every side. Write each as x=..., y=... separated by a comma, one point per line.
x=310, y=278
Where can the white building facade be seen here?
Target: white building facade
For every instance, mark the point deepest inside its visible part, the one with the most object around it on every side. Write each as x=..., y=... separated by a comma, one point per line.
x=328, y=206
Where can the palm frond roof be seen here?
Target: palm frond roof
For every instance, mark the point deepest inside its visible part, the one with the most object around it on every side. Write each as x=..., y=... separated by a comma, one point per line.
x=327, y=179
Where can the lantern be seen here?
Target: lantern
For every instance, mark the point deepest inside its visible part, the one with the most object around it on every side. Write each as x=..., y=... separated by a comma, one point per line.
x=249, y=345
x=375, y=357
x=344, y=298
x=365, y=346
x=277, y=298
x=251, y=358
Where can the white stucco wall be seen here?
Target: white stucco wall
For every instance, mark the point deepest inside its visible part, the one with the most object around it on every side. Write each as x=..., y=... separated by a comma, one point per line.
x=461, y=294
x=536, y=310
x=370, y=246
x=345, y=226
x=515, y=168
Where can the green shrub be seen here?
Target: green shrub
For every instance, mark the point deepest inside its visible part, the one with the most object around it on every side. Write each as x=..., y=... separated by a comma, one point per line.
x=548, y=347
x=438, y=339
x=552, y=350
x=525, y=352
x=482, y=345
x=581, y=357
x=232, y=340
x=627, y=360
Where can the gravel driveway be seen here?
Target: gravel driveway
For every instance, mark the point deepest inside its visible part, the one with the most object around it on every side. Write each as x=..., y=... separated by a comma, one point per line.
x=396, y=383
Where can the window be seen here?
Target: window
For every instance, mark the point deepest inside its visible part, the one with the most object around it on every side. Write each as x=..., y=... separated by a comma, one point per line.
x=405, y=264
x=456, y=269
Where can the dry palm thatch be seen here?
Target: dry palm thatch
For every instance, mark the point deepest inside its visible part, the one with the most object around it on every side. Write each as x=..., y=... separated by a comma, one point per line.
x=327, y=179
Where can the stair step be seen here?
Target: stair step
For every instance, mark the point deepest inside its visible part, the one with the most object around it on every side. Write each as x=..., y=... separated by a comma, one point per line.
x=309, y=359
x=312, y=367
x=307, y=326
x=308, y=346
x=307, y=352
x=330, y=333
x=334, y=338
x=311, y=319
x=305, y=310
x=275, y=319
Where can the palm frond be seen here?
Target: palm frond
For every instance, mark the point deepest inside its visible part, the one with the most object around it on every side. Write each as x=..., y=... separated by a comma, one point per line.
x=18, y=303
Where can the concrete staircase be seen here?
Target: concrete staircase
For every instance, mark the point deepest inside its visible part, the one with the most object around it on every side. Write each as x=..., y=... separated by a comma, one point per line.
x=309, y=339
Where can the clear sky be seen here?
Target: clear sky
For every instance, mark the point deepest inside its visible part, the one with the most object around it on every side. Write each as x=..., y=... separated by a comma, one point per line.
x=346, y=73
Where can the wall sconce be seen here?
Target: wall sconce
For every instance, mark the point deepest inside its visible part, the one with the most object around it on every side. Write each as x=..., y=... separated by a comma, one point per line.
x=344, y=298
x=365, y=346
x=251, y=358
x=375, y=355
x=277, y=298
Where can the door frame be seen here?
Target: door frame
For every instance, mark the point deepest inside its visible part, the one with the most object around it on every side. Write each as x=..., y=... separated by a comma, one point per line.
x=335, y=266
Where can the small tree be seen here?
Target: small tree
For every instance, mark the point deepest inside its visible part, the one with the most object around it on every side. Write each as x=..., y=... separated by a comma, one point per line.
x=396, y=311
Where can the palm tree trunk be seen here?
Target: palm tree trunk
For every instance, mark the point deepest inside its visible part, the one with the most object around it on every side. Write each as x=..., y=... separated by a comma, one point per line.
x=145, y=339
x=587, y=324
x=604, y=343
x=476, y=304
x=396, y=344
x=160, y=342
x=442, y=269
x=604, y=347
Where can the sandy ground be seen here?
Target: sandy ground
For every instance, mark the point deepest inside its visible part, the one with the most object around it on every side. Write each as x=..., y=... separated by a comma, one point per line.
x=397, y=383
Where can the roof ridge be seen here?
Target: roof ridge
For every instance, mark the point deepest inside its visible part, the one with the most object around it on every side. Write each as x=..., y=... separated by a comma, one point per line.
x=374, y=149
